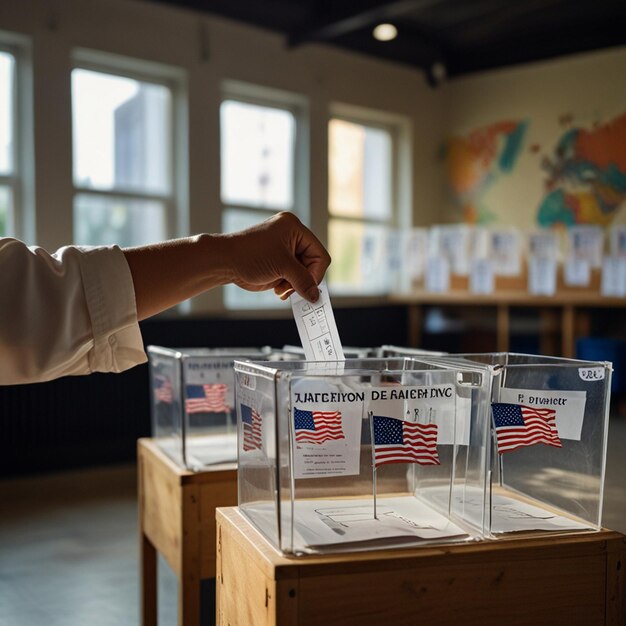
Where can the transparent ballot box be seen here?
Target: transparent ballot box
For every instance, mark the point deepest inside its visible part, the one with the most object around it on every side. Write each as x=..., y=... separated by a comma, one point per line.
x=350, y=352
x=549, y=425
x=358, y=454
x=192, y=398
x=386, y=351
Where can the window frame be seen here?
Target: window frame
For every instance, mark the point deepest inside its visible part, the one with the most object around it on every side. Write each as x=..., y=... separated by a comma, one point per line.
x=13, y=180
x=298, y=106
x=393, y=220
x=400, y=130
x=175, y=202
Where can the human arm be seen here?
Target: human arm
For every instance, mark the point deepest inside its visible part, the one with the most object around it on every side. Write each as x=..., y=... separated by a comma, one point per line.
x=279, y=253
x=76, y=311
x=71, y=312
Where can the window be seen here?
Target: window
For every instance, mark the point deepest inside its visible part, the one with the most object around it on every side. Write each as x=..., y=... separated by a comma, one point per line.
x=8, y=147
x=361, y=204
x=123, y=134
x=261, y=169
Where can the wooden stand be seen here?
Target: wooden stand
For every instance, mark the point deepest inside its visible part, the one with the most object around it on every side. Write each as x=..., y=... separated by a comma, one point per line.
x=569, y=579
x=177, y=519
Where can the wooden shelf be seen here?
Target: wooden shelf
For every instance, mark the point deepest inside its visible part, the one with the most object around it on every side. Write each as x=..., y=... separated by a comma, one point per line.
x=568, y=311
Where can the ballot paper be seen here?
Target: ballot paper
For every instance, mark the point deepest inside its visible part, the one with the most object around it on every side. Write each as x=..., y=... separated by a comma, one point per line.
x=317, y=327
x=200, y=452
x=350, y=524
x=509, y=513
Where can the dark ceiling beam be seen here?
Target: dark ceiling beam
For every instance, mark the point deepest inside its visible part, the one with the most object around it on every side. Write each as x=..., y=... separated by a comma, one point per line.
x=346, y=22
x=510, y=17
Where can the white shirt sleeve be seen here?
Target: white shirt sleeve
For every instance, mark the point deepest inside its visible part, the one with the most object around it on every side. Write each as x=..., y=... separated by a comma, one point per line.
x=71, y=312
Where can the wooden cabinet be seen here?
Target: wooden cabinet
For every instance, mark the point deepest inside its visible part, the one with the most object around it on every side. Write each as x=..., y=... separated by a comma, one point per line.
x=575, y=579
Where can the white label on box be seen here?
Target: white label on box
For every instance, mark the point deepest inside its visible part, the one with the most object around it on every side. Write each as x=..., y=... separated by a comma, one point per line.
x=247, y=381
x=591, y=373
x=326, y=423
x=569, y=407
x=317, y=327
x=435, y=404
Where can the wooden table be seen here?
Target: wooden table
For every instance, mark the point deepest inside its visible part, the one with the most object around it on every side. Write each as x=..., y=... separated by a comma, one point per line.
x=575, y=579
x=177, y=519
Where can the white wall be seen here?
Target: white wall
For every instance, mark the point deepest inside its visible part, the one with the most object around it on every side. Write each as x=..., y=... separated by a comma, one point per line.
x=576, y=91
x=209, y=50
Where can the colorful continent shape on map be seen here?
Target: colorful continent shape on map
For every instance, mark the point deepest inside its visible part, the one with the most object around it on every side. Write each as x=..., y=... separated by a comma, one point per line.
x=586, y=176
x=476, y=161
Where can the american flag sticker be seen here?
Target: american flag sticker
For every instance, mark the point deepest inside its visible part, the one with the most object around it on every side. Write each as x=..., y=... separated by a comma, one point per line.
x=518, y=426
x=252, y=428
x=206, y=398
x=317, y=426
x=163, y=389
x=399, y=441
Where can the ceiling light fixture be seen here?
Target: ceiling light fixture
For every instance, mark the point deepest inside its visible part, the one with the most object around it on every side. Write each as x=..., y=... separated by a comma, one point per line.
x=385, y=32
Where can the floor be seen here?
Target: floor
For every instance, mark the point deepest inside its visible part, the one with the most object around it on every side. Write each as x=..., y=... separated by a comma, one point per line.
x=68, y=545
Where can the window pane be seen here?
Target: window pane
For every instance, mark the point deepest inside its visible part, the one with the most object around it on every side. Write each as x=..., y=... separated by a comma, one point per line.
x=7, y=65
x=102, y=220
x=122, y=131
x=6, y=211
x=235, y=297
x=360, y=260
x=257, y=155
x=359, y=176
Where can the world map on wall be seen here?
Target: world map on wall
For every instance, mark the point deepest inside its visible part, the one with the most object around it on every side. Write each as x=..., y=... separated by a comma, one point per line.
x=580, y=180
x=586, y=176
x=477, y=161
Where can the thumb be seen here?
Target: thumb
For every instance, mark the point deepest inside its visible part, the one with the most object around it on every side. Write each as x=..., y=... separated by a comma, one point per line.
x=301, y=280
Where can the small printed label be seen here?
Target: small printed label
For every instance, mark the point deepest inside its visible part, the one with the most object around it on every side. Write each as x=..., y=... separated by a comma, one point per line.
x=591, y=373
x=247, y=381
x=568, y=407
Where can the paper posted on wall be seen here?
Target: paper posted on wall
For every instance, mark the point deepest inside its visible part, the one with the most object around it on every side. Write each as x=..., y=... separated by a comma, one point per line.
x=317, y=327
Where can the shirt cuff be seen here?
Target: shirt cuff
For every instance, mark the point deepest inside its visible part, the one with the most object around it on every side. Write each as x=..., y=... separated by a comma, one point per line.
x=110, y=296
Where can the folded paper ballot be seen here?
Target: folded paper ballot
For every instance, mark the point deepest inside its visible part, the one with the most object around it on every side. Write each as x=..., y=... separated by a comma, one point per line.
x=317, y=327
x=336, y=525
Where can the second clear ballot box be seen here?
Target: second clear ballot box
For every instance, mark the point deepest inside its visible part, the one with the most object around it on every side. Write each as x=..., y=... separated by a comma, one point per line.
x=546, y=458
x=359, y=454
x=193, y=406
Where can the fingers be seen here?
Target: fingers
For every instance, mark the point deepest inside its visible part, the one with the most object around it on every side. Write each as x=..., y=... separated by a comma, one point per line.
x=300, y=280
x=283, y=289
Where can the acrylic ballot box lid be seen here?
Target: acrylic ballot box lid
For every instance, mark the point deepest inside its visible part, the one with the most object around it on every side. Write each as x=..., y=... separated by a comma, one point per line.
x=548, y=419
x=359, y=454
x=350, y=352
x=400, y=351
x=192, y=402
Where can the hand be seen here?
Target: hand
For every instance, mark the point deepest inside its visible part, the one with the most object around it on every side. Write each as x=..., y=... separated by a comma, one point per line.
x=281, y=254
